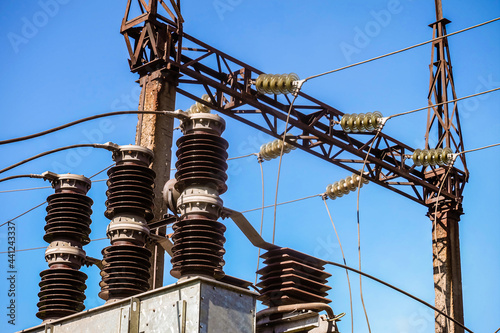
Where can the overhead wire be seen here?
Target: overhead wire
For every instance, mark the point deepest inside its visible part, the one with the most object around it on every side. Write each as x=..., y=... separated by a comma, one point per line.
x=82, y=120
x=398, y=290
x=102, y=180
x=401, y=50
x=30, y=175
x=442, y=103
x=282, y=203
x=262, y=215
x=48, y=152
x=43, y=203
x=44, y=247
x=281, y=158
x=345, y=263
x=359, y=228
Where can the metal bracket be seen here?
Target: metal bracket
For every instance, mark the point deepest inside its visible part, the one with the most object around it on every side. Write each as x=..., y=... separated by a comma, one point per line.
x=48, y=328
x=94, y=261
x=164, y=242
x=248, y=230
x=134, y=315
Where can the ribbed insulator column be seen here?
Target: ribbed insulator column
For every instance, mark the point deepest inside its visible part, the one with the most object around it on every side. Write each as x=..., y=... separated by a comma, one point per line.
x=200, y=179
x=130, y=207
x=292, y=277
x=67, y=230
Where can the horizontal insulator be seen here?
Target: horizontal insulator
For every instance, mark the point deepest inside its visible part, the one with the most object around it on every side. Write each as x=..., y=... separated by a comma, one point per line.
x=198, y=247
x=61, y=293
x=130, y=190
x=125, y=272
x=68, y=217
x=291, y=277
x=201, y=160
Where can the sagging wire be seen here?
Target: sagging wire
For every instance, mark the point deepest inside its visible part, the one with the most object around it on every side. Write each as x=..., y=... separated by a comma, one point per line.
x=295, y=95
x=442, y=103
x=175, y=113
x=42, y=187
x=108, y=146
x=260, y=160
x=30, y=175
x=44, y=247
x=103, y=180
x=43, y=203
x=398, y=290
x=343, y=258
x=282, y=203
x=379, y=129
x=402, y=50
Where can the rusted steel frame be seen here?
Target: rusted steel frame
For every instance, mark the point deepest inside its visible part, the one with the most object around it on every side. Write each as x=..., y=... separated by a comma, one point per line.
x=134, y=22
x=325, y=109
x=297, y=123
x=272, y=132
x=238, y=91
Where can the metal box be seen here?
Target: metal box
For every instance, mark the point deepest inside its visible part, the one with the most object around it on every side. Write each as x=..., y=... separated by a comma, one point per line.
x=195, y=305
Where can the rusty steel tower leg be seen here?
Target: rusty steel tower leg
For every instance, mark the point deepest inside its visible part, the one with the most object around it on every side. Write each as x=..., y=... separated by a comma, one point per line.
x=155, y=132
x=446, y=256
x=444, y=130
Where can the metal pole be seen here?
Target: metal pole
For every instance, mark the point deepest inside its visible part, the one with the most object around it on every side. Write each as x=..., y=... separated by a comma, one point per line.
x=448, y=277
x=439, y=10
x=155, y=132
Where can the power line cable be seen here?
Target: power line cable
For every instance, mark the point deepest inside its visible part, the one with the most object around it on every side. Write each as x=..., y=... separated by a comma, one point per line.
x=44, y=247
x=261, y=217
x=282, y=203
x=102, y=180
x=358, y=224
x=398, y=290
x=345, y=263
x=42, y=187
x=281, y=157
x=442, y=103
x=481, y=148
x=31, y=175
x=399, y=51
x=26, y=212
x=91, y=145
x=79, y=121
x=43, y=203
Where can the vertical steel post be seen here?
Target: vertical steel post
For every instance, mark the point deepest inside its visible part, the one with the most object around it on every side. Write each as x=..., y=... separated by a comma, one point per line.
x=447, y=268
x=443, y=125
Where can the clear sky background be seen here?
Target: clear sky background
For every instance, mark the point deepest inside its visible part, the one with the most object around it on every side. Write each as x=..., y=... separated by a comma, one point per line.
x=63, y=63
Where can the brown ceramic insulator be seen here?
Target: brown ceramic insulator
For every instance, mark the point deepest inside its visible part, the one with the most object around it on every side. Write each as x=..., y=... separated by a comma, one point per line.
x=130, y=191
x=198, y=247
x=61, y=293
x=68, y=217
x=291, y=277
x=201, y=160
x=126, y=271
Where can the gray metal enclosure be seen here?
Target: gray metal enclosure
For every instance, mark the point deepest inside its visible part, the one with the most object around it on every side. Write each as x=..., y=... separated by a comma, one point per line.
x=196, y=305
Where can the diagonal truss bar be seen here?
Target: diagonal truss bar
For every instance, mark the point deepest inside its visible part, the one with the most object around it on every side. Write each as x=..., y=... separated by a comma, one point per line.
x=312, y=123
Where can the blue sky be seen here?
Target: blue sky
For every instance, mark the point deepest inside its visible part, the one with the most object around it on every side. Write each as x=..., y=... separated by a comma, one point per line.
x=68, y=61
